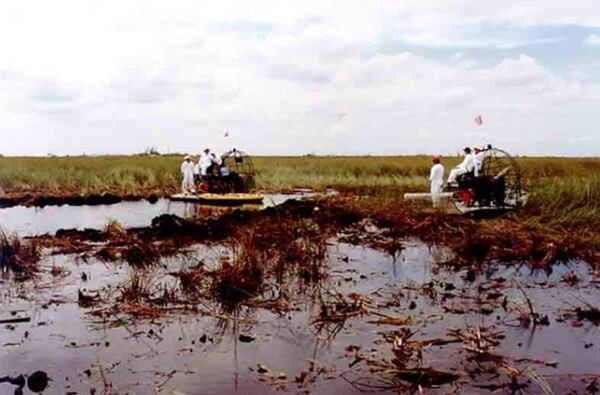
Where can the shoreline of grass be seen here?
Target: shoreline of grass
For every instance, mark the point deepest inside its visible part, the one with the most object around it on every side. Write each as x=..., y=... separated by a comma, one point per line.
x=130, y=174
x=563, y=191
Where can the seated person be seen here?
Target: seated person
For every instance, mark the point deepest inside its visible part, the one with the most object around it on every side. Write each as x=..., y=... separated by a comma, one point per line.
x=479, y=158
x=466, y=166
x=224, y=170
x=204, y=163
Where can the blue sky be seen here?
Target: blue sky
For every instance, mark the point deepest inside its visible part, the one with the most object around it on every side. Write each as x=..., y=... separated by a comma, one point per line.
x=325, y=77
x=561, y=48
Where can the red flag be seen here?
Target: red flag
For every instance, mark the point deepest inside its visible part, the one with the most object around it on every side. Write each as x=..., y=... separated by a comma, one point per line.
x=478, y=120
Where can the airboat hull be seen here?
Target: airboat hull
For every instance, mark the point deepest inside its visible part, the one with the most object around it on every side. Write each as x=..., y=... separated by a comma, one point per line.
x=229, y=199
x=510, y=205
x=422, y=196
x=456, y=207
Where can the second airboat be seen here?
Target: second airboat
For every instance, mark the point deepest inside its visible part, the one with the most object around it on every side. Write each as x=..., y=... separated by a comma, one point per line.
x=497, y=188
x=232, y=182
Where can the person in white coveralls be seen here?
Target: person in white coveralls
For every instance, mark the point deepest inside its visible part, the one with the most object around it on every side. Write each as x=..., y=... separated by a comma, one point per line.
x=436, y=180
x=466, y=166
x=187, y=171
x=479, y=157
x=204, y=163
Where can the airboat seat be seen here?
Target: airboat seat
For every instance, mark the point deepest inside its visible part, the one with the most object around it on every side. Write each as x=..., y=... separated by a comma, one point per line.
x=466, y=180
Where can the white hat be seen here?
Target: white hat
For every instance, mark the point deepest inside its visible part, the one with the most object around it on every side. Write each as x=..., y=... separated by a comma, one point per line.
x=187, y=157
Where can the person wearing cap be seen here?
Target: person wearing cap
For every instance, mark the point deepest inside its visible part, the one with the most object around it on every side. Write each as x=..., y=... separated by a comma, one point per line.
x=466, y=166
x=187, y=171
x=436, y=180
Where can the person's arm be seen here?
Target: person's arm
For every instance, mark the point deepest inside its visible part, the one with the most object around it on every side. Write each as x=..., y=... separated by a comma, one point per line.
x=431, y=173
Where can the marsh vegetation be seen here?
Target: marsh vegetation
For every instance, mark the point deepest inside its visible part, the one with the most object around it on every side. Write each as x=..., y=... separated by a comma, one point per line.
x=348, y=293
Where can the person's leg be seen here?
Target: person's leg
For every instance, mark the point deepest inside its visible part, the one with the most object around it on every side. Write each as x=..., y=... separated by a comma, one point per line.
x=436, y=191
x=190, y=184
x=454, y=173
x=186, y=184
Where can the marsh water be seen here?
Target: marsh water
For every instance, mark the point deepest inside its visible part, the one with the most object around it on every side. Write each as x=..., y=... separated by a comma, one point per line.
x=190, y=353
x=29, y=221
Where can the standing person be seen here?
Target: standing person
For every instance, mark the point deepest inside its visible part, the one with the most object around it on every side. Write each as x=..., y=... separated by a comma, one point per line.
x=187, y=171
x=204, y=163
x=436, y=180
x=466, y=166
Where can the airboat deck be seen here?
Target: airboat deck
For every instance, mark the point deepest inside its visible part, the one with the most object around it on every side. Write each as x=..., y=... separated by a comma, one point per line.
x=456, y=207
x=220, y=198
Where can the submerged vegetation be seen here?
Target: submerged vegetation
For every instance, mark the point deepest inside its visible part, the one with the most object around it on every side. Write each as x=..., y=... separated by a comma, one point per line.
x=444, y=332
x=18, y=256
x=279, y=249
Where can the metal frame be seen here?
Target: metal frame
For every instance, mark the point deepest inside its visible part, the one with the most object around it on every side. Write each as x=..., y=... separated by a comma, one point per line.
x=240, y=162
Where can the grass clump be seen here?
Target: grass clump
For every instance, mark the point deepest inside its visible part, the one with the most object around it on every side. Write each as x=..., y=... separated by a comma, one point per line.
x=141, y=254
x=241, y=276
x=140, y=287
x=114, y=227
x=143, y=295
x=18, y=256
x=271, y=250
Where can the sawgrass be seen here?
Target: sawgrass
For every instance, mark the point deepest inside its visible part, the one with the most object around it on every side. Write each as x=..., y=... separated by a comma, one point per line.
x=567, y=200
x=86, y=175
x=563, y=190
x=131, y=174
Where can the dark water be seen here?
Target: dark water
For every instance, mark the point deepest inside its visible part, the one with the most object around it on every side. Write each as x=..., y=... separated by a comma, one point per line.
x=168, y=355
x=29, y=221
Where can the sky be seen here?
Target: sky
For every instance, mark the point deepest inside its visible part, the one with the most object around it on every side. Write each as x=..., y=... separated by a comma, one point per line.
x=284, y=77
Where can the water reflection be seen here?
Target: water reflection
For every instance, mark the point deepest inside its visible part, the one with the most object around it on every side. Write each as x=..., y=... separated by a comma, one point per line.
x=29, y=221
x=214, y=348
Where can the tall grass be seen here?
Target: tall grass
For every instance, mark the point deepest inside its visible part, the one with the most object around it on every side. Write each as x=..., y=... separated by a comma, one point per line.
x=131, y=174
x=87, y=175
x=565, y=190
x=342, y=172
x=568, y=200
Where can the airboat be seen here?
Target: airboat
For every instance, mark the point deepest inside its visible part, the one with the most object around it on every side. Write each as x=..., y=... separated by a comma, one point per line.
x=231, y=183
x=497, y=188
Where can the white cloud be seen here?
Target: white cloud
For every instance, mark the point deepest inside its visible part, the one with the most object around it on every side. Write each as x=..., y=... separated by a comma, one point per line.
x=75, y=74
